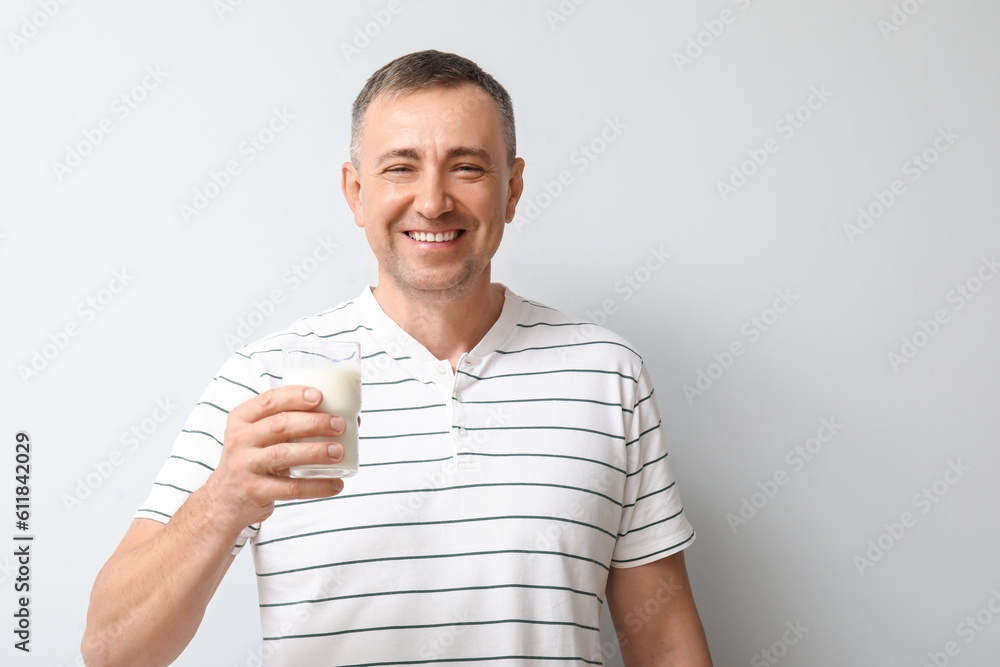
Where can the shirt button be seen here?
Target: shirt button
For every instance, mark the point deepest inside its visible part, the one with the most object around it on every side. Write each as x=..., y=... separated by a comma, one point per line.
x=462, y=433
x=442, y=369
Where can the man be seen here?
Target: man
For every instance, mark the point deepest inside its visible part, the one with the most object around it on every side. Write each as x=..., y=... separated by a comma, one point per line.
x=514, y=474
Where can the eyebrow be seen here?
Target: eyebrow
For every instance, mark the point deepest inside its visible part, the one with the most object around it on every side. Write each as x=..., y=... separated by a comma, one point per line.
x=458, y=151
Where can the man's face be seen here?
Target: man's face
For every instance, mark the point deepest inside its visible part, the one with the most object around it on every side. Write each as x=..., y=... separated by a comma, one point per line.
x=432, y=189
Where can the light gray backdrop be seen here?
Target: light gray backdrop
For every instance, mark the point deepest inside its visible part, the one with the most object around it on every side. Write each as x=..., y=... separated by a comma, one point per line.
x=787, y=206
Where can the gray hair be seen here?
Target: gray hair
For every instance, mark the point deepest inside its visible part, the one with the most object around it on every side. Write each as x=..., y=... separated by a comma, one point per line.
x=425, y=69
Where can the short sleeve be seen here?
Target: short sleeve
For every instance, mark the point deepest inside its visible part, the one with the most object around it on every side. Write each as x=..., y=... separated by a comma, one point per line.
x=653, y=524
x=198, y=448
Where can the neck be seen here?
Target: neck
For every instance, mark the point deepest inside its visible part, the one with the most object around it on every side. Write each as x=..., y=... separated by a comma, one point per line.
x=447, y=325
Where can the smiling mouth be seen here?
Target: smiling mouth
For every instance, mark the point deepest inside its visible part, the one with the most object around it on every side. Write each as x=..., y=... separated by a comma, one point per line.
x=431, y=237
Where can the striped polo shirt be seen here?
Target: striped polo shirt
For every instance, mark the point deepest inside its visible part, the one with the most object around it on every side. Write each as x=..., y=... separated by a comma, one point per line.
x=489, y=506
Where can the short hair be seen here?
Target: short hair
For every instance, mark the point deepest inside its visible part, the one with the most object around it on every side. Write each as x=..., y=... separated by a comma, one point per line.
x=426, y=69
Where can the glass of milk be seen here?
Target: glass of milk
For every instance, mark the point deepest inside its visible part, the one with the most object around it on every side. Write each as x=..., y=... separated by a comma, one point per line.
x=333, y=367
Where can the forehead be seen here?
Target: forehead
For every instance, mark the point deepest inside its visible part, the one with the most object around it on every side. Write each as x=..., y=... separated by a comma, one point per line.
x=431, y=118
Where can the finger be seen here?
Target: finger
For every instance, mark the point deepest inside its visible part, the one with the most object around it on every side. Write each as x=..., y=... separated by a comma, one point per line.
x=297, y=488
x=287, y=426
x=278, y=400
x=278, y=458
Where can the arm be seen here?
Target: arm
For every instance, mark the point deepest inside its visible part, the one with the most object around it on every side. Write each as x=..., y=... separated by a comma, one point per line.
x=654, y=613
x=151, y=595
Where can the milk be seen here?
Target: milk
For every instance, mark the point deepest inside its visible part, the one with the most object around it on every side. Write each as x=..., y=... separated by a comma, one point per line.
x=341, y=388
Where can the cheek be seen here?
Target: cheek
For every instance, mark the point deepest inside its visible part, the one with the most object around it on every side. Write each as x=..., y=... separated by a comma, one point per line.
x=384, y=202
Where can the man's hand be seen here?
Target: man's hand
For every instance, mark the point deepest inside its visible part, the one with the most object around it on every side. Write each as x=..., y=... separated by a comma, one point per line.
x=151, y=595
x=258, y=451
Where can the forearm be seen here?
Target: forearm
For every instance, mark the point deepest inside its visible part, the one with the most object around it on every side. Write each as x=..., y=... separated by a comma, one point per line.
x=149, y=598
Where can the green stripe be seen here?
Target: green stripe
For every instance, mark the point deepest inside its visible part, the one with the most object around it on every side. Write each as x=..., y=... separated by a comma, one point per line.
x=376, y=384
x=648, y=430
x=554, y=324
x=372, y=356
x=543, y=428
x=651, y=428
x=429, y=556
x=648, y=525
x=184, y=430
x=556, y=347
x=629, y=560
x=155, y=512
x=172, y=486
x=203, y=465
x=554, y=456
x=647, y=463
x=543, y=400
x=561, y=370
x=416, y=407
x=214, y=406
x=338, y=333
x=393, y=463
x=238, y=384
x=268, y=351
x=447, y=488
x=476, y=659
x=667, y=487
x=408, y=524
x=428, y=591
x=425, y=626
x=538, y=305
x=642, y=400
x=399, y=435
x=334, y=310
x=310, y=333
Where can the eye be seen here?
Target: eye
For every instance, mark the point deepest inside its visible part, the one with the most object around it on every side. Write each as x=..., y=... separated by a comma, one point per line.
x=469, y=169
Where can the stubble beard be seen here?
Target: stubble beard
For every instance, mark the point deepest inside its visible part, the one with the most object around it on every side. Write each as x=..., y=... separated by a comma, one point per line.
x=418, y=285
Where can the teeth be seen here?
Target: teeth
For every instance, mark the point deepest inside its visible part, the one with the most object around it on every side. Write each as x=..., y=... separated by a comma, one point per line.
x=433, y=238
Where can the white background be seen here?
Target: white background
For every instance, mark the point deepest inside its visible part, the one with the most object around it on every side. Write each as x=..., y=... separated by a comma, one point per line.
x=689, y=99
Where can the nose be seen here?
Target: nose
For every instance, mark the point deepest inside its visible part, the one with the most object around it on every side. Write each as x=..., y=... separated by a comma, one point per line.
x=431, y=199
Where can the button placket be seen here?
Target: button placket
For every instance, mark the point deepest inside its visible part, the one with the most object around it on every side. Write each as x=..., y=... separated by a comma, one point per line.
x=461, y=441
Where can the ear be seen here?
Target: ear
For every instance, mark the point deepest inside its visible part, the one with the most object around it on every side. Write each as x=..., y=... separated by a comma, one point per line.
x=350, y=183
x=515, y=185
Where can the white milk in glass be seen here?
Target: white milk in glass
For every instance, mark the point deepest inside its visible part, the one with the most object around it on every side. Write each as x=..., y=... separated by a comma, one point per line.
x=341, y=387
